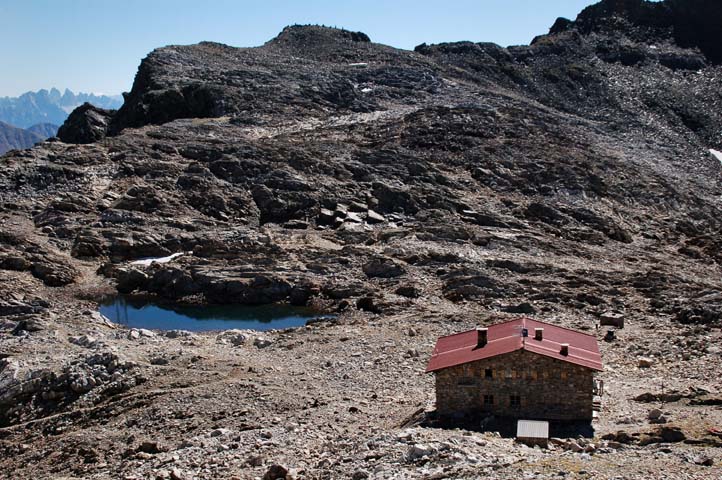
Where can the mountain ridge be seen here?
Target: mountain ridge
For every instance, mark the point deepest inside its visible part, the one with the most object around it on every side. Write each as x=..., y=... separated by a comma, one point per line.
x=49, y=106
x=12, y=137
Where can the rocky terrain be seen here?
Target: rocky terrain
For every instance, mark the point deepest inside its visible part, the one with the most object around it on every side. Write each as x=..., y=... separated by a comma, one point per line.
x=413, y=194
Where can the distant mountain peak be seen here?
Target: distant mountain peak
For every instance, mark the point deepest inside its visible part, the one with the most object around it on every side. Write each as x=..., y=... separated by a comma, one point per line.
x=50, y=106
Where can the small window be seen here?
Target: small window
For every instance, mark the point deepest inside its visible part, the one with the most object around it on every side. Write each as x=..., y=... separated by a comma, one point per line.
x=564, y=375
x=465, y=382
x=533, y=374
x=488, y=373
x=514, y=400
x=488, y=399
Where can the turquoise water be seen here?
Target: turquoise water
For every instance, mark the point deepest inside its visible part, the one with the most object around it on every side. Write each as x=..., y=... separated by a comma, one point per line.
x=137, y=313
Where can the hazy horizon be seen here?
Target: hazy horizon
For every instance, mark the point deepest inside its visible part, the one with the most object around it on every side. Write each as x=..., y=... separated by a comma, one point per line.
x=62, y=91
x=91, y=46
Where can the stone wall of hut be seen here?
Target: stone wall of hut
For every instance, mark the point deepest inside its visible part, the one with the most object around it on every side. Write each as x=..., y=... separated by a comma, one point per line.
x=519, y=384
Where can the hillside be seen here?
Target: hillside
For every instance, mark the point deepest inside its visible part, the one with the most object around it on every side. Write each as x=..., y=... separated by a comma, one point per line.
x=411, y=193
x=17, y=138
x=45, y=130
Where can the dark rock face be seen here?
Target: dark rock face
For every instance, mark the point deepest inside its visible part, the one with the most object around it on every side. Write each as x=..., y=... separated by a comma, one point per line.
x=254, y=83
x=86, y=124
x=691, y=23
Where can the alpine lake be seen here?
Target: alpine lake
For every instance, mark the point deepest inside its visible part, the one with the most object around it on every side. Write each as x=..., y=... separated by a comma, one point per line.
x=145, y=313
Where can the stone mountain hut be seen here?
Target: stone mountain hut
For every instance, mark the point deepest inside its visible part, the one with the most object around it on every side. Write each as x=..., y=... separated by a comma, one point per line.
x=522, y=368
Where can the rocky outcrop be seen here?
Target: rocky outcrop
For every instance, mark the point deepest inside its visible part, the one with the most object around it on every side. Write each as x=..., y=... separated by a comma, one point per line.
x=86, y=124
x=25, y=393
x=691, y=23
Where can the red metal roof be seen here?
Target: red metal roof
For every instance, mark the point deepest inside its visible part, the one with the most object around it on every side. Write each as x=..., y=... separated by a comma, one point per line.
x=507, y=337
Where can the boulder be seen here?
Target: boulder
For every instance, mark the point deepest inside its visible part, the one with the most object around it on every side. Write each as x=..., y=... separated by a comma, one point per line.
x=353, y=217
x=172, y=282
x=408, y=291
x=177, y=474
x=393, y=199
x=28, y=326
x=130, y=279
x=53, y=272
x=373, y=217
x=85, y=124
x=368, y=304
x=88, y=244
x=302, y=291
x=672, y=434
x=262, y=342
x=419, y=450
x=152, y=447
x=325, y=217
x=84, y=341
x=234, y=337
x=703, y=460
x=645, y=362
x=178, y=334
x=277, y=472
x=620, y=436
x=382, y=268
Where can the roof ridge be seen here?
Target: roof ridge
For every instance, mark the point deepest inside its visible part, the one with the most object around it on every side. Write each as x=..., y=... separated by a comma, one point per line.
x=563, y=328
x=473, y=329
x=464, y=347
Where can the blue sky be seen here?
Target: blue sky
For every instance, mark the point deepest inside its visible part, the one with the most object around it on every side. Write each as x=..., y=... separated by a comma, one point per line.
x=96, y=45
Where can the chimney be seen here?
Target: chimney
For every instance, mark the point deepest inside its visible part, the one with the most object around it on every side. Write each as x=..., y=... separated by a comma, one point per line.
x=539, y=334
x=481, y=337
x=565, y=349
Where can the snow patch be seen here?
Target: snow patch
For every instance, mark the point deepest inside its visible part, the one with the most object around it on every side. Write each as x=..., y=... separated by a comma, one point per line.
x=145, y=262
x=716, y=153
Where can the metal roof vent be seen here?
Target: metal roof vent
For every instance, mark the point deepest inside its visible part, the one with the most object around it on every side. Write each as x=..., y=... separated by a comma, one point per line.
x=565, y=349
x=482, y=337
x=539, y=334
